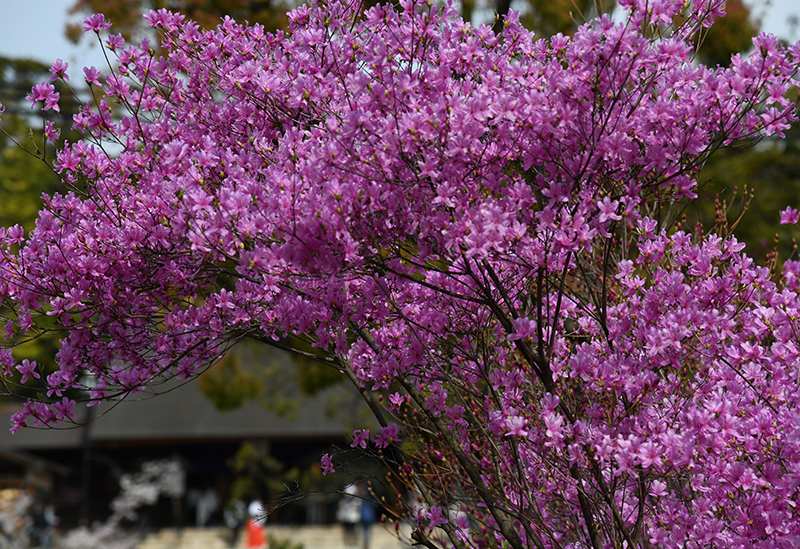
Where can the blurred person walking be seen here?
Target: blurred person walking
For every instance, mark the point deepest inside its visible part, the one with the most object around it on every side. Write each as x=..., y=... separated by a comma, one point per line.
x=234, y=516
x=349, y=513
x=369, y=513
x=255, y=531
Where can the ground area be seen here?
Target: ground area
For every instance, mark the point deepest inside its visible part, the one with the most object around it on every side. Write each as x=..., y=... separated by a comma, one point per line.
x=311, y=537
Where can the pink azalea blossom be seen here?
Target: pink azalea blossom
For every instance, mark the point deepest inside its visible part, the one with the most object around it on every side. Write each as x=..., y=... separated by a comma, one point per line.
x=59, y=70
x=96, y=22
x=790, y=216
x=46, y=93
x=92, y=75
x=327, y=465
x=436, y=516
x=27, y=368
x=360, y=438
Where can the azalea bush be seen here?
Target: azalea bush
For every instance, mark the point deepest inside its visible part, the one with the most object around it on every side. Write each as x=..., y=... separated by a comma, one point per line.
x=481, y=231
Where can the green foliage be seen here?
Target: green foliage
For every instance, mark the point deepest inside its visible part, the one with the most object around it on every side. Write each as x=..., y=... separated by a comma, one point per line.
x=771, y=172
x=313, y=376
x=546, y=17
x=730, y=35
x=126, y=15
x=549, y=17
x=278, y=381
x=228, y=386
x=17, y=77
x=23, y=175
x=258, y=472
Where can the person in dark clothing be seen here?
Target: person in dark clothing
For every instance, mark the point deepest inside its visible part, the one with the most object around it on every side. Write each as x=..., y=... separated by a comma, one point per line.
x=369, y=514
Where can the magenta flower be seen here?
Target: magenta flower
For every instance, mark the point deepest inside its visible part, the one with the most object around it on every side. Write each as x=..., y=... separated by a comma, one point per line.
x=790, y=216
x=327, y=465
x=63, y=409
x=436, y=516
x=96, y=22
x=523, y=328
x=27, y=369
x=396, y=399
x=115, y=42
x=51, y=132
x=59, y=70
x=164, y=19
x=608, y=210
x=516, y=426
x=360, y=437
x=387, y=435
x=554, y=425
x=650, y=454
x=46, y=93
x=92, y=76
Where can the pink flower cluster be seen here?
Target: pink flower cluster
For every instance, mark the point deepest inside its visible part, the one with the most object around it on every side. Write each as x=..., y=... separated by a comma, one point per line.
x=464, y=222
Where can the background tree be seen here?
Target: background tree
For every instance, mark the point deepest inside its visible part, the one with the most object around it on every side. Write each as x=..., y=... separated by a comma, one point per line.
x=765, y=177
x=23, y=175
x=127, y=14
x=558, y=16
x=278, y=382
x=477, y=230
x=547, y=17
x=730, y=35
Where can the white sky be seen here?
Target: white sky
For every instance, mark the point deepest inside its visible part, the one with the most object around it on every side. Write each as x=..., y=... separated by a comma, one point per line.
x=35, y=29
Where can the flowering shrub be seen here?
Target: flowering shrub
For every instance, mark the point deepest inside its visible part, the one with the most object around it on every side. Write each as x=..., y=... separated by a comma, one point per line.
x=479, y=228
